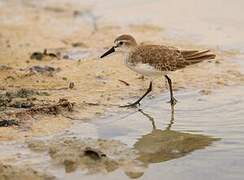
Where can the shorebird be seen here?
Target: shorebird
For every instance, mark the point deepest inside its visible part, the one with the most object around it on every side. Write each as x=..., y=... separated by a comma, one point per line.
x=155, y=60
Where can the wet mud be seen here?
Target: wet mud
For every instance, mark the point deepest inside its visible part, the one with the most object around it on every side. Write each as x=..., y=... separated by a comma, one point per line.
x=8, y=172
x=96, y=156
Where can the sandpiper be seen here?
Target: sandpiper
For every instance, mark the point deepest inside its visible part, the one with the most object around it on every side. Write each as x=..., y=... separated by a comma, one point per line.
x=155, y=60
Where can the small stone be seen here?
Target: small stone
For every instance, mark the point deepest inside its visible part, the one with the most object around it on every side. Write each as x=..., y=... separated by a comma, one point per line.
x=37, y=55
x=71, y=85
x=94, y=153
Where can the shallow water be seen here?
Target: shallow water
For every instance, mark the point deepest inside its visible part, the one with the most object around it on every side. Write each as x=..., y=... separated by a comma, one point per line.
x=215, y=115
x=217, y=24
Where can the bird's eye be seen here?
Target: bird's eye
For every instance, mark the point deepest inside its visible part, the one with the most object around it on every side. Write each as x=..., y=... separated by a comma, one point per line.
x=121, y=43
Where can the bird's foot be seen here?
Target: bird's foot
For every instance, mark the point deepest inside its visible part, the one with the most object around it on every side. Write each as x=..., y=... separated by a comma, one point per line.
x=172, y=101
x=132, y=105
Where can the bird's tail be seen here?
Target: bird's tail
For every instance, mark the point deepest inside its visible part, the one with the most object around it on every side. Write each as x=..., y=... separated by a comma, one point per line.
x=193, y=56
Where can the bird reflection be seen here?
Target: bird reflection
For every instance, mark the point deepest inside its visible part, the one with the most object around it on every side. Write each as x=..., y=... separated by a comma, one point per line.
x=149, y=117
x=153, y=122
x=163, y=145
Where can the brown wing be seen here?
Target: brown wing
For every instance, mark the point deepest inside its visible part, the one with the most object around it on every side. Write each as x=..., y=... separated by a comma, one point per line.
x=166, y=58
x=193, y=57
x=161, y=57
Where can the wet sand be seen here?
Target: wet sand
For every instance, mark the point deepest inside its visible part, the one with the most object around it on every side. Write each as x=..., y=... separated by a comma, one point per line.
x=97, y=85
x=76, y=35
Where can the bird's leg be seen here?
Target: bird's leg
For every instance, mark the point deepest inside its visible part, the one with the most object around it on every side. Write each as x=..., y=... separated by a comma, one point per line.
x=172, y=99
x=166, y=83
x=139, y=100
x=172, y=118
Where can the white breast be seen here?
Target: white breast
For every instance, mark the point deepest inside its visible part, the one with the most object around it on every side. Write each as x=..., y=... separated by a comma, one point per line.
x=146, y=69
x=143, y=68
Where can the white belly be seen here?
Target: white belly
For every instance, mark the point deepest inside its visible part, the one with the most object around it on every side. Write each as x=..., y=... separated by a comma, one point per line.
x=145, y=69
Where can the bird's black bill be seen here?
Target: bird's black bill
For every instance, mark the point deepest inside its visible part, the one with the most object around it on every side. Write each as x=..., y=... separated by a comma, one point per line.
x=111, y=50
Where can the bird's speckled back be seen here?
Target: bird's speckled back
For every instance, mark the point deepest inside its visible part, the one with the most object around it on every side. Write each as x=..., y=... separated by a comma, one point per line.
x=163, y=58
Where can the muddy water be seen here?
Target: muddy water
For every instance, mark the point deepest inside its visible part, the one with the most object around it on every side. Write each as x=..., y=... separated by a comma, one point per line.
x=216, y=114
x=202, y=139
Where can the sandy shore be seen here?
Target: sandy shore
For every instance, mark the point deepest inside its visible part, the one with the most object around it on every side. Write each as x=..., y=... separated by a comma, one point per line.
x=73, y=73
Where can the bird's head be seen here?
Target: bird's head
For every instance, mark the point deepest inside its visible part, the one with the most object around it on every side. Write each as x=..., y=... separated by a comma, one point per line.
x=124, y=44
